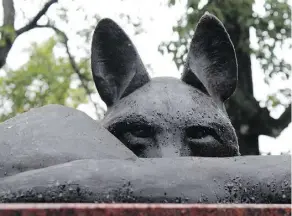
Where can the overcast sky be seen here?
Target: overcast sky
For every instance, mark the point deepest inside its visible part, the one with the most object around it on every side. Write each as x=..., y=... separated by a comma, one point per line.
x=157, y=21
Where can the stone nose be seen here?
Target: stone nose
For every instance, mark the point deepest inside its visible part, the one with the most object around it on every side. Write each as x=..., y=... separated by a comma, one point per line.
x=169, y=151
x=171, y=145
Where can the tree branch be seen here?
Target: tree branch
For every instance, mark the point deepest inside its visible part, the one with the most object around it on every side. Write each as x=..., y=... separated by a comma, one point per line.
x=73, y=63
x=260, y=117
x=32, y=24
x=273, y=127
x=9, y=16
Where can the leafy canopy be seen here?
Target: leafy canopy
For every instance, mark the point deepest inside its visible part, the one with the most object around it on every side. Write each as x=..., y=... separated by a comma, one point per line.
x=44, y=79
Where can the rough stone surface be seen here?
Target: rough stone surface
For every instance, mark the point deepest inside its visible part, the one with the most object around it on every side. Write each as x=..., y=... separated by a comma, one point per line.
x=53, y=135
x=250, y=179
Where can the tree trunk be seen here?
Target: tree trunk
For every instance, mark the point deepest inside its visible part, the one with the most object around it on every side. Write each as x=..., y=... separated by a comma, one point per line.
x=8, y=21
x=246, y=132
x=8, y=12
x=248, y=118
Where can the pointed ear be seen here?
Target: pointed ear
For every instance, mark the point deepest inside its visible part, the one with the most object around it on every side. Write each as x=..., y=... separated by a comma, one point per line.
x=116, y=66
x=211, y=63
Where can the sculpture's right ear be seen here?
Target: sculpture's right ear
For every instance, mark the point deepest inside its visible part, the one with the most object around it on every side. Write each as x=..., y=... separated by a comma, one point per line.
x=116, y=66
x=211, y=64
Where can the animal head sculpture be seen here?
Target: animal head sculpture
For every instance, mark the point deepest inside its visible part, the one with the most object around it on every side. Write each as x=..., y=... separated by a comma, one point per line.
x=168, y=117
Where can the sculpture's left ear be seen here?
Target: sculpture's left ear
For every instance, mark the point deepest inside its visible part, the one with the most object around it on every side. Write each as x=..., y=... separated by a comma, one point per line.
x=211, y=63
x=117, y=68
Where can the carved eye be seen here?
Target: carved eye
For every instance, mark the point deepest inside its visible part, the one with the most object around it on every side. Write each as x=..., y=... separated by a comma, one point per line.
x=196, y=133
x=132, y=130
x=137, y=148
x=142, y=132
x=138, y=138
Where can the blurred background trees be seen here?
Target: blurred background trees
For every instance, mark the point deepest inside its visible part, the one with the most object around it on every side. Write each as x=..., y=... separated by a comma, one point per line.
x=50, y=77
x=45, y=78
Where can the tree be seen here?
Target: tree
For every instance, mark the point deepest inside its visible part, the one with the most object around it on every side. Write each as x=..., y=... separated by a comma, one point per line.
x=14, y=87
x=248, y=117
x=44, y=79
x=21, y=89
x=8, y=31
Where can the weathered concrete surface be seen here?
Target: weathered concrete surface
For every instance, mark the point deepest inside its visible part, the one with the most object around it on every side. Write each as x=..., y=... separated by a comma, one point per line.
x=143, y=209
x=58, y=154
x=249, y=179
x=53, y=135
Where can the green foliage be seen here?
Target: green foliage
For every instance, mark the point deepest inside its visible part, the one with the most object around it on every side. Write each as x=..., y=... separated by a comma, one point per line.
x=44, y=79
x=7, y=32
x=273, y=29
